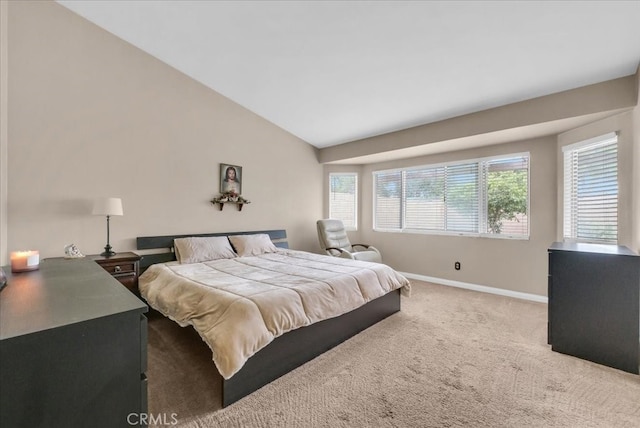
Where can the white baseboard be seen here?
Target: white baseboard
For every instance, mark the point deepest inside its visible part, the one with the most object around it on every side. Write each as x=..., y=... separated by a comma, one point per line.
x=481, y=288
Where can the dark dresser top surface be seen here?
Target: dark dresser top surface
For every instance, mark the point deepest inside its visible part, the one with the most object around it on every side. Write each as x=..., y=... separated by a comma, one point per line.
x=61, y=292
x=592, y=248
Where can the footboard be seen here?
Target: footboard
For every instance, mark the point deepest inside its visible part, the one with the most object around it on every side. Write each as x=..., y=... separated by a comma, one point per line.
x=298, y=346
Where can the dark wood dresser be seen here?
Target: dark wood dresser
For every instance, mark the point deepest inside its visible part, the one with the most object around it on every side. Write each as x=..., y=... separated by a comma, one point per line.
x=73, y=348
x=594, y=303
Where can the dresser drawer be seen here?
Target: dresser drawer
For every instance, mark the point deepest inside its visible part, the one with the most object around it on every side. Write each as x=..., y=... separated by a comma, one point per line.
x=120, y=267
x=125, y=267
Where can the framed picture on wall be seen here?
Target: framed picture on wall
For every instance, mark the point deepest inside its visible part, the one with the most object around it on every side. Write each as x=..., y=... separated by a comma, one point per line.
x=230, y=179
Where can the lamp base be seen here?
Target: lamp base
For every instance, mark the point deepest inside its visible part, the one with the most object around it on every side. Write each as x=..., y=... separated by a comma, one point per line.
x=108, y=252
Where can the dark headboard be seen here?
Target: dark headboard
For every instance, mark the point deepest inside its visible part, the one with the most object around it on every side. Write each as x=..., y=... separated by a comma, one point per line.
x=165, y=243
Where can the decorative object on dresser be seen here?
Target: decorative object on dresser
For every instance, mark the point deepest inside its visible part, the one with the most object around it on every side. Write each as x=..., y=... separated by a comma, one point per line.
x=25, y=261
x=125, y=267
x=73, y=346
x=72, y=252
x=107, y=207
x=594, y=303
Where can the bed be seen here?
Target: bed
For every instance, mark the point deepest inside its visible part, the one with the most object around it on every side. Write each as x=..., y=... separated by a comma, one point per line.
x=263, y=308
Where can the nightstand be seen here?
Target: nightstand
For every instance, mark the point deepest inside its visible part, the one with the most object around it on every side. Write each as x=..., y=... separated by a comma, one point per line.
x=125, y=267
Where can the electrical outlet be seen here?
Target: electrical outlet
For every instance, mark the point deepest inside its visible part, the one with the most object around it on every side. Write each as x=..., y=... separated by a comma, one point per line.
x=457, y=265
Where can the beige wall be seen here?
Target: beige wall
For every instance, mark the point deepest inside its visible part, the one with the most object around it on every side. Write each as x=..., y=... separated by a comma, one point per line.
x=4, y=119
x=636, y=170
x=92, y=116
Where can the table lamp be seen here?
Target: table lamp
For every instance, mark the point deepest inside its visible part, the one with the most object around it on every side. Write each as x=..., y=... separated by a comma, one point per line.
x=107, y=207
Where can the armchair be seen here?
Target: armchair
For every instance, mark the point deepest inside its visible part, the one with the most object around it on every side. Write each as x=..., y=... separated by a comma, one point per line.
x=334, y=241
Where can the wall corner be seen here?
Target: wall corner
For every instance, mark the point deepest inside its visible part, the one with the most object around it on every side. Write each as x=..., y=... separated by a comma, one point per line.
x=4, y=127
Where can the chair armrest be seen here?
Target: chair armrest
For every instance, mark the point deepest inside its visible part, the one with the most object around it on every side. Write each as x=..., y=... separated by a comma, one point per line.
x=368, y=247
x=341, y=252
x=332, y=251
x=360, y=245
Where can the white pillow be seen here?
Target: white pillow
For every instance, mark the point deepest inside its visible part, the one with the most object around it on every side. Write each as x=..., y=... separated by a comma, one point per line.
x=252, y=245
x=201, y=249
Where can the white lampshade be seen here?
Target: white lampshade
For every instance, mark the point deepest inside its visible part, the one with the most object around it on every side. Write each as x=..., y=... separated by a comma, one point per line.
x=107, y=206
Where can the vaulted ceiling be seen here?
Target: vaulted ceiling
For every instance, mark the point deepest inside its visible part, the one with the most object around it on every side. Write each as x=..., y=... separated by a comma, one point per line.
x=332, y=72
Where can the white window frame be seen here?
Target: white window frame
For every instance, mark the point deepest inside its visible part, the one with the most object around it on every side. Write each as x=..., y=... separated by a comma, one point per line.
x=482, y=199
x=570, y=198
x=355, y=201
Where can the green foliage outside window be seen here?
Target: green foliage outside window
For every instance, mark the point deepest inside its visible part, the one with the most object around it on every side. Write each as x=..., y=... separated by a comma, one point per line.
x=506, y=197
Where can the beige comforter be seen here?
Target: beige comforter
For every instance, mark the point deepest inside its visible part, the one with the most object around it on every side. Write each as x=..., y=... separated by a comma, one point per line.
x=239, y=305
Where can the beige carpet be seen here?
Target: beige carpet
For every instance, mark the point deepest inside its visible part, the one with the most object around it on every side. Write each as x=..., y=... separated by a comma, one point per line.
x=451, y=358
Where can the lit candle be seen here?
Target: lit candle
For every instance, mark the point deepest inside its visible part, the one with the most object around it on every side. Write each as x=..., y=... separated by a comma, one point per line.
x=23, y=261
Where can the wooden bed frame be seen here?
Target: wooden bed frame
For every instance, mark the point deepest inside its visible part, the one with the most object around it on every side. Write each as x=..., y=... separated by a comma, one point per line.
x=292, y=349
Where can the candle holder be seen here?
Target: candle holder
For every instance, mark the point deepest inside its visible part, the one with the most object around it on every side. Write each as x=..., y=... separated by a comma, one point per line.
x=25, y=261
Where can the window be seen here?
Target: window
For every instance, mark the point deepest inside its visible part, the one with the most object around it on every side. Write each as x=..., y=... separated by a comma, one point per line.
x=591, y=190
x=507, y=196
x=388, y=200
x=488, y=196
x=343, y=198
x=461, y=197
x=424, y=206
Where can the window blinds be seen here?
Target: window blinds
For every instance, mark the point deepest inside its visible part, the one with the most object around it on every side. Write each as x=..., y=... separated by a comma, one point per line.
x=462, y=197
x=343, y=198
x=591, y=190
x=388, y=200
x=424, y=199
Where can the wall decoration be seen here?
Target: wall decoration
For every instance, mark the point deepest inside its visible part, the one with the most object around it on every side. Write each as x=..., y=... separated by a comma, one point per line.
x=230, y=186
x=230, y=179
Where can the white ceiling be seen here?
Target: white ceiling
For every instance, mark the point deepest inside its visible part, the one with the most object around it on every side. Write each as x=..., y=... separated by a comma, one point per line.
x=331, y=72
